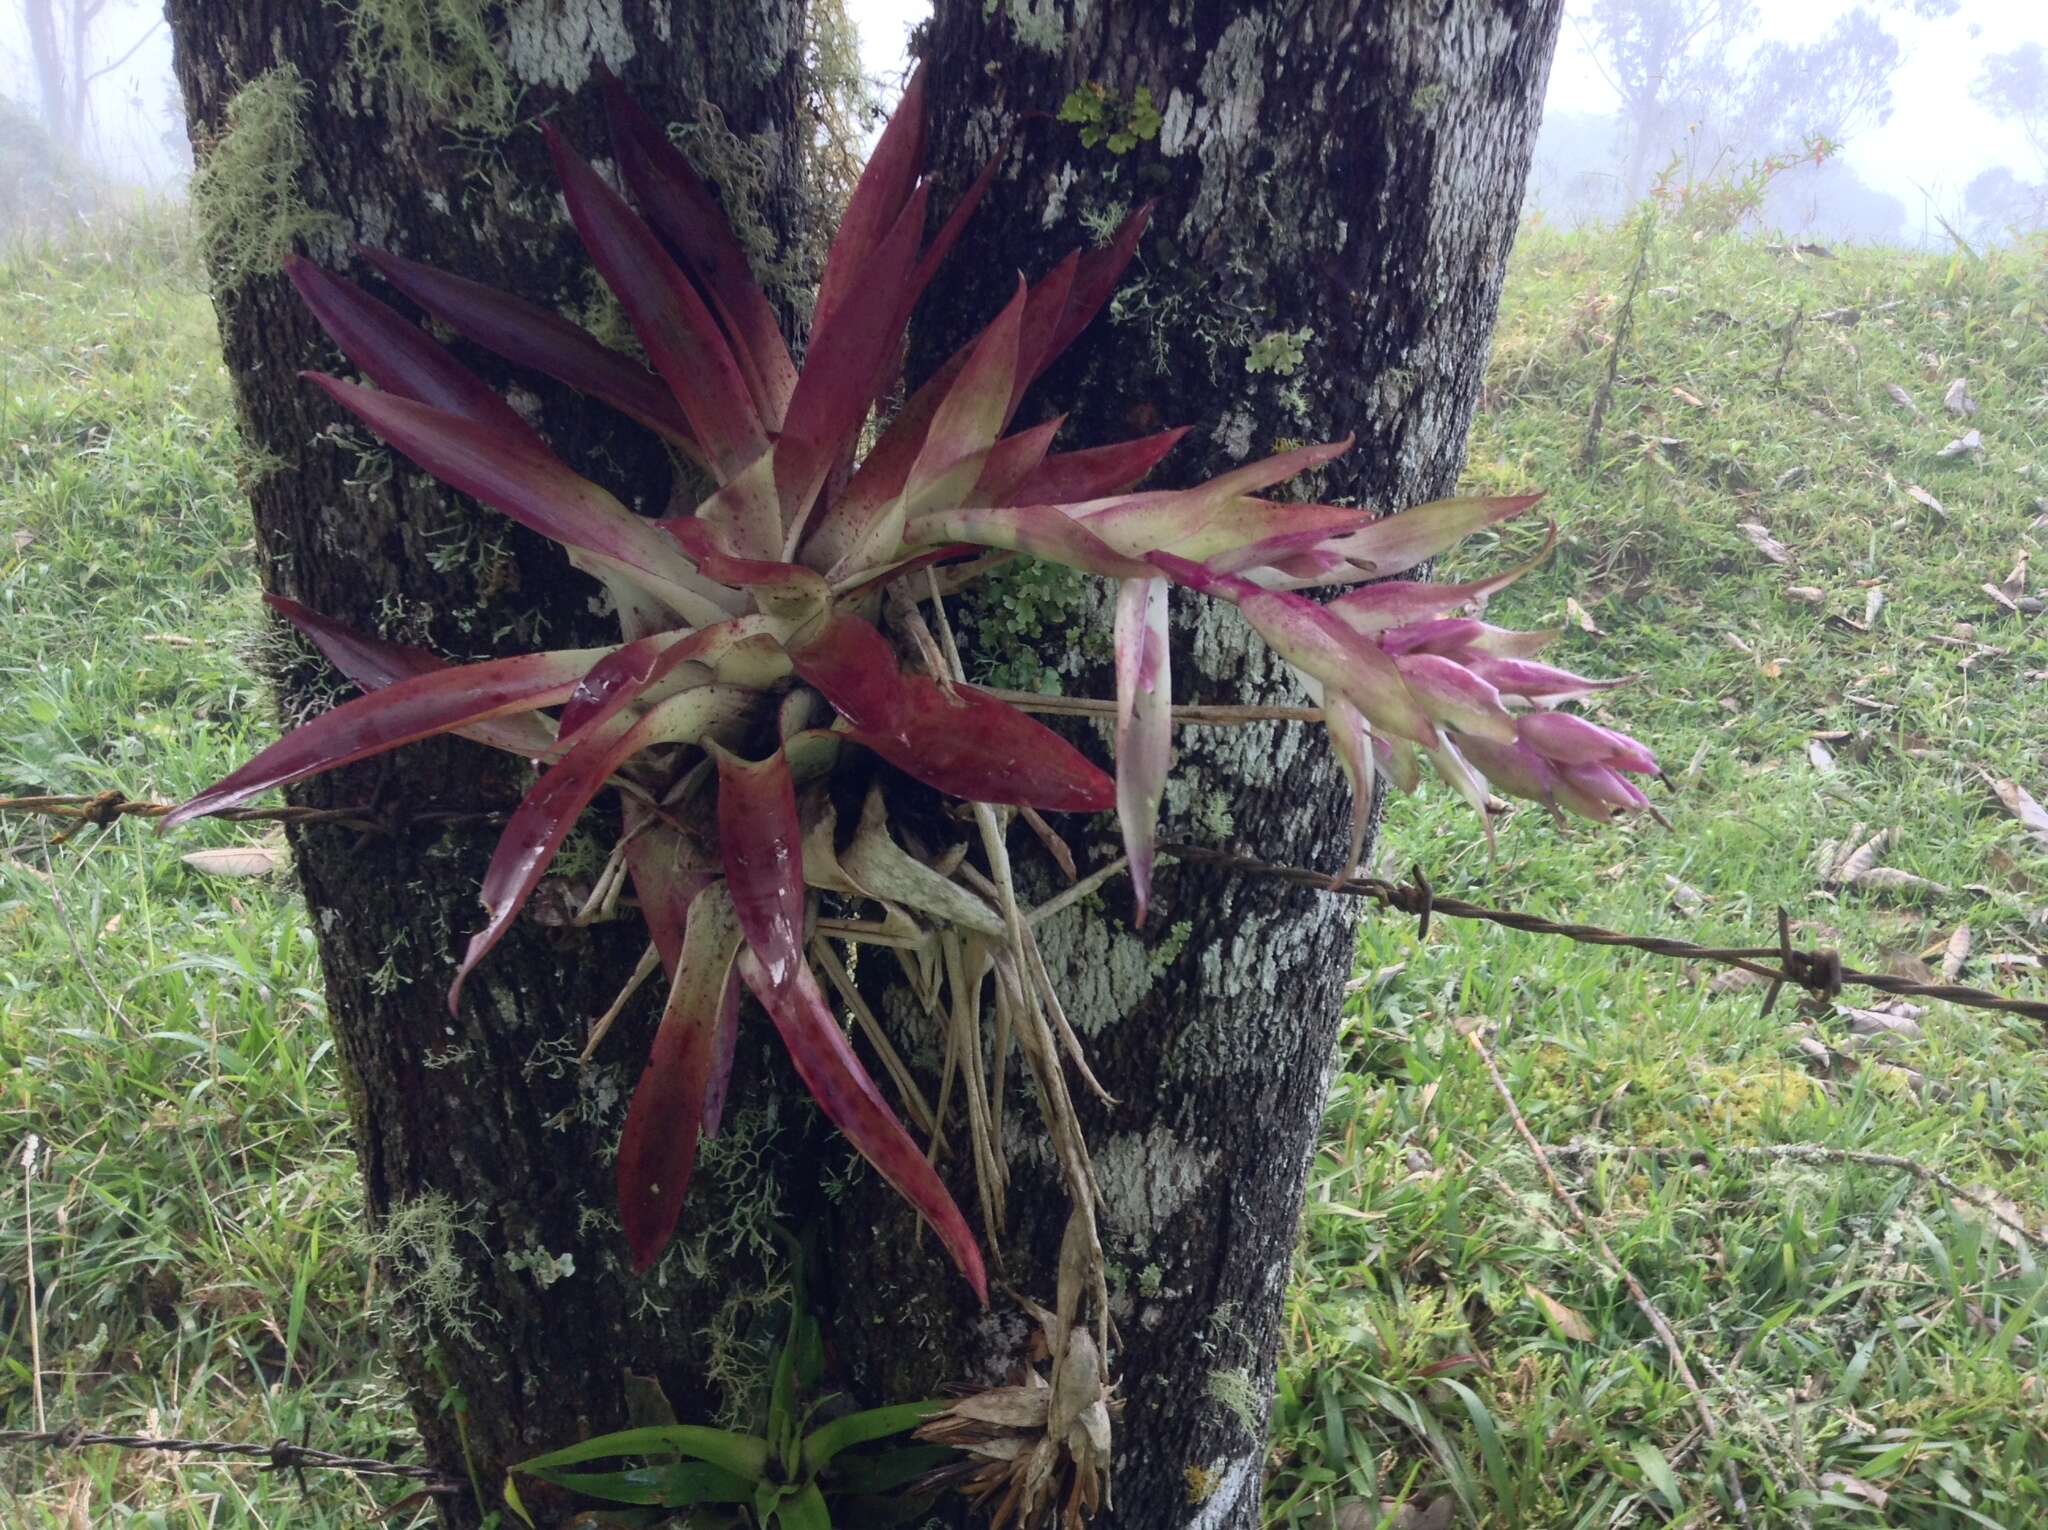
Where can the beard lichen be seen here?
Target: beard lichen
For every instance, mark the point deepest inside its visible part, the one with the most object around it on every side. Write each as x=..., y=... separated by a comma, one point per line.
x=246, y=197
x=441, y=53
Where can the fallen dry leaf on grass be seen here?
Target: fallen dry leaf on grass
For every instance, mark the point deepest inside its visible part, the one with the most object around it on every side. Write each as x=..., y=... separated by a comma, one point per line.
x=1920, y=496
x=1957, y=400
x=1806, y=594
x=1969, y=443
x=1891, y=879
x=238, y=860
x=1859, y=859
x=1956, y=953
x=1568, y=1322
x=1868, y=1023
x=2021, y=804
x=1761, y=539
x=1820, y=756
x=2015, y=583
x=1903, y=399
x=1686, y=899
x=1855, y=1487
x=1580, y=619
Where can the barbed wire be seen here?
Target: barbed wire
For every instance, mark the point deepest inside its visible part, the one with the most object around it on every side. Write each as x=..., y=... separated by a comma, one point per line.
x=1818, y=972
x=278, y=1456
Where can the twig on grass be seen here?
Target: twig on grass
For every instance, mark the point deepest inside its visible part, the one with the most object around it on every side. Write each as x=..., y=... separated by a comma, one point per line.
x=1616, y=1268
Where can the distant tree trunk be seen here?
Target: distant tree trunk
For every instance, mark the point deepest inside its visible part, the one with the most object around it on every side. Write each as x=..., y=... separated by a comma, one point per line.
x=1337, y=187
x=1337, y=190
x=485, y=1150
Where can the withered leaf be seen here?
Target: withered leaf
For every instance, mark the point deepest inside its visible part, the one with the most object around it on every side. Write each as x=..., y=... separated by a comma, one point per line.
x=1855, y=1487
x=1891, y=879
x=1806, y=594
x=1686, y=899
x=1903, y=399
x=2021, y=804
x=1567, y=1322
x=1761, y=539
x=1964, y=445
x=1956, y=953
x=1920, y=496
x=1957, y=400
x=238, y=860
x=1580, y=618
x=1863, y=857
x=1820, y=756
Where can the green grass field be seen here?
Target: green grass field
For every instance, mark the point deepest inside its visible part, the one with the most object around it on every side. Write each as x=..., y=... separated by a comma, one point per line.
x=1869, y=1350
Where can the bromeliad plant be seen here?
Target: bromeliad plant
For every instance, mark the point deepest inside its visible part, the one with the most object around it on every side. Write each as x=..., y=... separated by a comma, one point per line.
x=752, y=671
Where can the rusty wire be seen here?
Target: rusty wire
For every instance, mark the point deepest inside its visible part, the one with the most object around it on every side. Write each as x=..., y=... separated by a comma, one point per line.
x=277, y=1456
x=1819, y=972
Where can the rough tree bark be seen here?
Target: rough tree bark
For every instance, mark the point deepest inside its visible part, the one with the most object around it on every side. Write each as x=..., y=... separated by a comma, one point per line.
x=485, y=1151
x=1337, y=188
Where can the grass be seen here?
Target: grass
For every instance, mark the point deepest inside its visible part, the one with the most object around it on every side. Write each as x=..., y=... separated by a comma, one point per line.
x=1870, y=1350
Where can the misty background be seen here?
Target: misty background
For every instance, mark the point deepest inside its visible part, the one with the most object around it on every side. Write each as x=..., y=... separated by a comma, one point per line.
x=1899, y=122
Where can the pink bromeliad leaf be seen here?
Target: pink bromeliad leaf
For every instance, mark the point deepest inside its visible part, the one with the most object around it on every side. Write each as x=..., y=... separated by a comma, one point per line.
x=1535, y=682
x=681, y=337
x=1394, y=544
x=976, y=407
x=1351, y=738
x=400, y=357
x=966, y=743
x=879, y=196
x=1454, y=696
x=1459, y=637
x=658, y=1147
x=1012, y=460
x=529, y=335
x=1307, y=636
x=1566, y=739
x=373, y=663
x=534, y=487
x=825, y=1061
x=437, y=702
x=1396, y=603
x=1044, y=531
x=1095, y=472
x=551, y=808
x=683, y=211
x=1144, y=723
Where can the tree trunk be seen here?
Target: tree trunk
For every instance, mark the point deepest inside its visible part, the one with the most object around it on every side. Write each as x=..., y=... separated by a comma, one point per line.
x=1337, y=188
x=485, y=1150
x=1337, y=191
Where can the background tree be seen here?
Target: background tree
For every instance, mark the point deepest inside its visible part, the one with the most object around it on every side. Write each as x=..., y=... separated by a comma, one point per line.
x=2014, y=85
x=60, y=42
x=1336, y=196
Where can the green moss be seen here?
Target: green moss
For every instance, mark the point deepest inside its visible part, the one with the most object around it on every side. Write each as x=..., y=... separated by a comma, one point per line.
x=1109, y=122
x=245, y=193
x=1279, y=351
x=744, y=169
x=1021, y=604
x=441, y=52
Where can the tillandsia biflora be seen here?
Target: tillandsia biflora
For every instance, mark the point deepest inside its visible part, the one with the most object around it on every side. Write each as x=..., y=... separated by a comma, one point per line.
x=754, y=687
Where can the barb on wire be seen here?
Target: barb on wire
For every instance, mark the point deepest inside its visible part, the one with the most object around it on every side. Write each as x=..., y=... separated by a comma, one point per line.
x=1820, y=973
x=277, y=1456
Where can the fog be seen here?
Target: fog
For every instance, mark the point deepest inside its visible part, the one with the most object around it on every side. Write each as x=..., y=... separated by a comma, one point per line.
x=1934, y=112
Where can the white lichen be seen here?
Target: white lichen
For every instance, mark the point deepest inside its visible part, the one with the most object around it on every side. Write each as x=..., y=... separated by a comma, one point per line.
x=1146, y=1180
x=548, y=43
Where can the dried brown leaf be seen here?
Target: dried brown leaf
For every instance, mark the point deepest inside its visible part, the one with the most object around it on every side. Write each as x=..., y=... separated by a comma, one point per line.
x=1806, y=595
x=1891, y=879
x=1956, y=953
x=1567, y=1322
x=1761, y=539
x=1687, y=900
x=1855, y=1487
x=1969, y=443
x=1820, y=756
x=239, y=860
x=2021, y=804
x=1580, y=618
x=1875, y=1022
x=1920, y=496
x=1903, y=399
x=1957, y=400
x=1865, y=856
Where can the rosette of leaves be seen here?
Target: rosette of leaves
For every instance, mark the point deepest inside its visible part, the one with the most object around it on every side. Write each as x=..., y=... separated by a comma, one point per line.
x=752, y=675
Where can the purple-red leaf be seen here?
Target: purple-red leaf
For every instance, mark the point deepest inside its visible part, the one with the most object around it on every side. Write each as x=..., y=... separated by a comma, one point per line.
x=372, y=664
x=1096, y=472
x=529, y=335
x=1394, y=544
x=671, y=1105
x=977, y=406
x=878, y=199
x=760, y=843
x=1013, y=459
x=682, y=339
x=825, y=1061
x=437, y=702
x=1455, y=697
x=1094, y=281
x=1566, y=739
x=397, y=356
x=550, y=809
x=684, y=212
x=966, y=743
x=523, y=480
